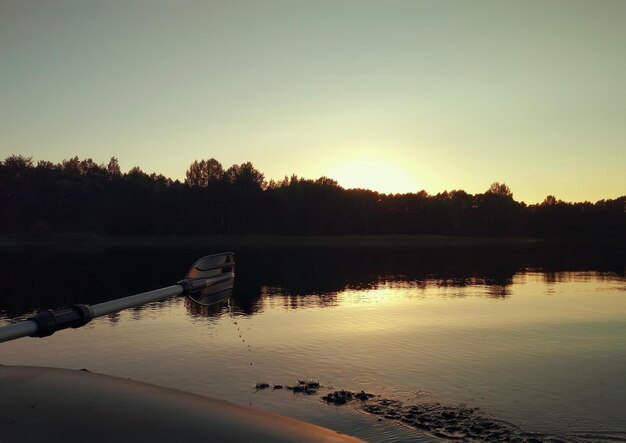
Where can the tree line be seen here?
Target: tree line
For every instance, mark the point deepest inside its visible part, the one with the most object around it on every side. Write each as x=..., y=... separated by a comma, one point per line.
x=83, y=196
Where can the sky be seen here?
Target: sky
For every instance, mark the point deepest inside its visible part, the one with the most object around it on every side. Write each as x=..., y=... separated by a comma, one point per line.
x=396, y=96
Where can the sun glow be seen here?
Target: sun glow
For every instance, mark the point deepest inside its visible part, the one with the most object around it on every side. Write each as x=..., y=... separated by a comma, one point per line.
x=377, y=175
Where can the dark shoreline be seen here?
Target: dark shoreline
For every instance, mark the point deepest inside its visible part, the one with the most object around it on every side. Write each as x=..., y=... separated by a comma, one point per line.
x=284, y=241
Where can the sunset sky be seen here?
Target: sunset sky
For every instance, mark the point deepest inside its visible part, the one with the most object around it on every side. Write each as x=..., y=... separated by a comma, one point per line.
x=396, y=96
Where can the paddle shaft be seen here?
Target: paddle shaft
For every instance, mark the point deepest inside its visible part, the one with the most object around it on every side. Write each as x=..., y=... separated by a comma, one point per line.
x=113, y=306
x=29, y=328
x=207, y=273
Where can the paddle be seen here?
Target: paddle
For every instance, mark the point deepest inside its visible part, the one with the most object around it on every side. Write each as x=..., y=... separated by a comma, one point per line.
x=209, y=280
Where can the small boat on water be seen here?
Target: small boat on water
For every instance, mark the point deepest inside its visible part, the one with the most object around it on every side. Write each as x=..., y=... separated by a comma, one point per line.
x=62, y=405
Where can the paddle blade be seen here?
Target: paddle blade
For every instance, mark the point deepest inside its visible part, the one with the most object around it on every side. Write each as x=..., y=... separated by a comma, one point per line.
x=218, y=271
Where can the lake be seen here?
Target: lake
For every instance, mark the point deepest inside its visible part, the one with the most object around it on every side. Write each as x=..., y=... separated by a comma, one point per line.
x=529, y=339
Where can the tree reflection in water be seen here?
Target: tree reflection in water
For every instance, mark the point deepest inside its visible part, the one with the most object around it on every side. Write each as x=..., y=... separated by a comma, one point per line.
x=46, y=278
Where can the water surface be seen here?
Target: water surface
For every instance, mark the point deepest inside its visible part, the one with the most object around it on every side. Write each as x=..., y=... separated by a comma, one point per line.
x=534, y=337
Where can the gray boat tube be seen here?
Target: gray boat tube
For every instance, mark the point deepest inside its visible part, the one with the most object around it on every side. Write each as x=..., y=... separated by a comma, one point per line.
x=62, y=405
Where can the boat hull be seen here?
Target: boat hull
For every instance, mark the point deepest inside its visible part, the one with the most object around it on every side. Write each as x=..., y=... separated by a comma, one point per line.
x=51, y=404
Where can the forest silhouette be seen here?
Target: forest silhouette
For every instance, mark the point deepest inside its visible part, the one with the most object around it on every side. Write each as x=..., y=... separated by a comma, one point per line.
x=83, y=196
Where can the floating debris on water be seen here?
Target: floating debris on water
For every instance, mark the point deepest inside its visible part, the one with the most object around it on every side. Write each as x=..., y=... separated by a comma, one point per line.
x=262, y=385
x=302, y=388
x=338, y=397
x=342, y=397
x=448, y=422
x=363, y=396
x=308, y=386
x=312, y=384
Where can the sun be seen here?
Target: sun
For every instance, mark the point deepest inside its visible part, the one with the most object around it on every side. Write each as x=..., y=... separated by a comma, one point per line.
x=375, y=174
